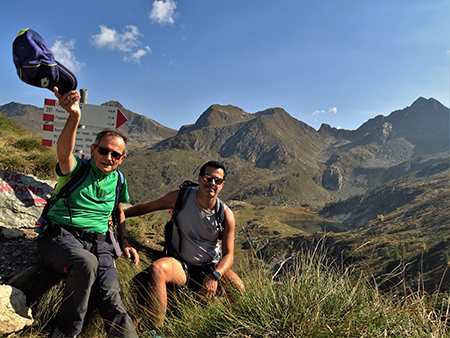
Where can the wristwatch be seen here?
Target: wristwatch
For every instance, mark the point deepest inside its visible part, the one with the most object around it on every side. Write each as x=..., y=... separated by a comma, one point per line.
x=217, y=275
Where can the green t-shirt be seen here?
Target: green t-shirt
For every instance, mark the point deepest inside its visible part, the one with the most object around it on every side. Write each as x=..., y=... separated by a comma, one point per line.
x=92, y=203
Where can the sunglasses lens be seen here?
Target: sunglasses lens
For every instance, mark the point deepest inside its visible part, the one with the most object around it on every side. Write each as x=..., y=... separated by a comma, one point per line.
x=116, y=155
x=209, y=179
x=105, y=151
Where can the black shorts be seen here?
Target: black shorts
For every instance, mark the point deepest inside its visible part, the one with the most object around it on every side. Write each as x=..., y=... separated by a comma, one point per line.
x=196, y=274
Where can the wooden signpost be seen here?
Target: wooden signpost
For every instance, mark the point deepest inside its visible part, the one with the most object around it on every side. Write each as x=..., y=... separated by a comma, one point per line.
x=93, y=116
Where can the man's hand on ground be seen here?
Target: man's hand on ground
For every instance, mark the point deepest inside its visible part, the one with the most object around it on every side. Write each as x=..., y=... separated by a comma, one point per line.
x=209, y=288
x=132, y=254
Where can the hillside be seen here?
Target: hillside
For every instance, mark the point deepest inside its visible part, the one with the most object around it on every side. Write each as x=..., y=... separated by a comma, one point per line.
x=401, y=234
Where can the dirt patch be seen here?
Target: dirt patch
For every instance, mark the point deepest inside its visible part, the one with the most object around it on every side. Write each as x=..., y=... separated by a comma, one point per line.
x=16, y=255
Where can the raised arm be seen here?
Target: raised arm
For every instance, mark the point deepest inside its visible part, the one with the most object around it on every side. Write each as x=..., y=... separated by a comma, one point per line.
x=165, y=202
x=66, y=140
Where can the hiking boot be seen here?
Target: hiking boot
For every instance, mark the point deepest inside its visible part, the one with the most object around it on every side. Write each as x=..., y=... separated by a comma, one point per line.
x=59, y=334
x=151, y=334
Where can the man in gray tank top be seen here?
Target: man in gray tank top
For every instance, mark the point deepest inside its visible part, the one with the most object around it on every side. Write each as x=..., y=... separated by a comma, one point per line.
x=203, y=265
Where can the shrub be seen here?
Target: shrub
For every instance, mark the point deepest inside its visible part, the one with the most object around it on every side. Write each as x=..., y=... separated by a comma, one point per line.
x=28, y=143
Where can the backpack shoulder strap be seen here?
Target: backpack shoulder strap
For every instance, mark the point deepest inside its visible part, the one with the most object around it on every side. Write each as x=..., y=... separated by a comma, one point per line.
x=178, y=205
x=75, y=181
x=67, y=189
x=70, y=186
x=220, y=216
x=119, y=187
x=180, y=201
x=120, y=184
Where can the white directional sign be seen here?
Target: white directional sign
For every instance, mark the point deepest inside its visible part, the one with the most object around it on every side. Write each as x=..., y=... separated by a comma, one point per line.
x=83, y=140
x=91, y=115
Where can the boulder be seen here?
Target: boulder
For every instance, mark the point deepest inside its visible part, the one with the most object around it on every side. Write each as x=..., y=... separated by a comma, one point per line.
x=15, y=315
x=21, y=199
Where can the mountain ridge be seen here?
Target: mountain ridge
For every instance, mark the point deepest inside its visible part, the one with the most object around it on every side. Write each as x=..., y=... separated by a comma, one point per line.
x=292, y=163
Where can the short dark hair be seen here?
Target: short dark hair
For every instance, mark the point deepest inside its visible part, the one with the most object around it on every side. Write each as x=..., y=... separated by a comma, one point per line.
x=113, y=133
x=214, y=164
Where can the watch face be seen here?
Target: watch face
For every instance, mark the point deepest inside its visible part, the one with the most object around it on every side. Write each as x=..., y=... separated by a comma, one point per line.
x=216, y=275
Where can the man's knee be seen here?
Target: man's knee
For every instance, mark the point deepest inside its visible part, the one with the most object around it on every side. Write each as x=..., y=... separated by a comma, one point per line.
x=157, y=271
x=167, y=270
x=84, y=262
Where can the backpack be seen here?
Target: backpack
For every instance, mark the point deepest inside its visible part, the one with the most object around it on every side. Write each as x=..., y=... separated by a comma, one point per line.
x=68, y=188
x=168, y=228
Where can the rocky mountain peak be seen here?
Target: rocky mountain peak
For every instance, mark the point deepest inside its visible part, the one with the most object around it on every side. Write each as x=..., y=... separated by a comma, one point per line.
x=115, y=104
x=219, y=116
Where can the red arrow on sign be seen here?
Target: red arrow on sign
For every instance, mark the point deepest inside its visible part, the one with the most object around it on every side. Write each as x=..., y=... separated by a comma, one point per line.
x=121, y=119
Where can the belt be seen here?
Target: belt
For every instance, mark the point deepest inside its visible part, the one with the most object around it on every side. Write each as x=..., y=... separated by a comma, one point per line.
x=88, y=236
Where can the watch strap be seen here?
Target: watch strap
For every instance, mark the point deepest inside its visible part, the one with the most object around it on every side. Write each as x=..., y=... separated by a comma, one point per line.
x=217, y=275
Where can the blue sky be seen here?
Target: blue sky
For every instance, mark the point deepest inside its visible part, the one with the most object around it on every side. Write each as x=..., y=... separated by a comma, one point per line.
x=335, y=62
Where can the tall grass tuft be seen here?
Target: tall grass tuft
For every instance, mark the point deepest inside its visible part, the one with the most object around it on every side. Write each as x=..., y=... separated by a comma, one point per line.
x=310, y=297
x=23, y=153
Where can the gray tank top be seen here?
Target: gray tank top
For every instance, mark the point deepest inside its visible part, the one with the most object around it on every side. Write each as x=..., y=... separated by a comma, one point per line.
x=198, y=227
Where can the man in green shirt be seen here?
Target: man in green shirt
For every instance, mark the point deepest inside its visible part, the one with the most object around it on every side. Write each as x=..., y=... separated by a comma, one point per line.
x=75, y=243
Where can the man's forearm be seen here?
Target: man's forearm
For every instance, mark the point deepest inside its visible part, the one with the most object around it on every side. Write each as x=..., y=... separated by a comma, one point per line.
x=121, y=227
x=66, y=140
x=225, y=264
x=137, y=210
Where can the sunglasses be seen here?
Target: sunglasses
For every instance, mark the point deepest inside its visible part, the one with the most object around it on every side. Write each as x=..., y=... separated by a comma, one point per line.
x=105, y=151
x=209, y=179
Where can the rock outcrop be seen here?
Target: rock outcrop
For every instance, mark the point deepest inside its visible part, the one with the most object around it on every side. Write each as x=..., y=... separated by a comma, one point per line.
x=22, y=198
x=15, y=315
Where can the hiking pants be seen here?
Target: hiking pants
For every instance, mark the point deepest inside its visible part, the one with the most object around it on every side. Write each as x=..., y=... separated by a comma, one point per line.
x=91, y=274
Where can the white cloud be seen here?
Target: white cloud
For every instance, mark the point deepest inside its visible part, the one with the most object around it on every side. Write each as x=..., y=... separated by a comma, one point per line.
x=316, y=113
x=128, y=42
x=111, y=39
x=163, y=12
x=136, y=56
x=63, y=52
